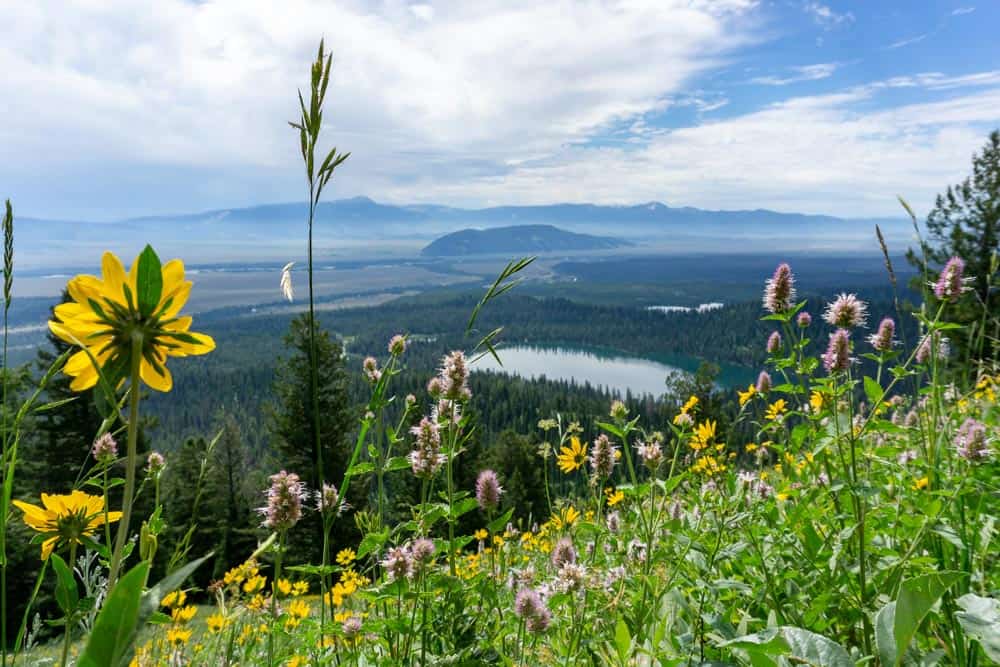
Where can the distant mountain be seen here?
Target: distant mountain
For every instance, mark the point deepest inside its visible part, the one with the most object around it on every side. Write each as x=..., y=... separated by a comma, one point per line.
x=275, y=231
x=518, y=239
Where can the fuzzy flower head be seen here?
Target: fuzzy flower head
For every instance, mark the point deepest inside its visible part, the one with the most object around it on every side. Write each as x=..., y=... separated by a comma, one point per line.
x=488, y=490
x=435, y=387
x=370, y=368
x=328, y=500
x=105, y=450
x=397, y=345
x=651, y=453
x=846, y=312
x=970, y=441
x=837, y=357
x=883, y=339
x=455, y=377
x=951, y=283
x=528, y=605
x=779, y=291
x=398, y=563
x=155, y=463
x=284, y=501
x=603, y=457
x=619, y=411
x=422, y=550
x=426, y=458
x=774, y=343
x=804, y=320
x=763, y=383
x=932, y=346
x=563, y=552
x=447, y=412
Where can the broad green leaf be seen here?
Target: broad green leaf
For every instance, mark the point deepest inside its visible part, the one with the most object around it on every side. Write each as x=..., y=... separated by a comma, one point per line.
x=397, y=463
x=885, y=640
x=149, y=281
x=111, y=642
x=463, y=507
x=915, y=599
x=361, y=468
x=500, y=522
x=873, y=390
x=981, y=622
x=623, y=641
x=372, y=542
x=169, y=583
x=795, y=643
x=67, y=595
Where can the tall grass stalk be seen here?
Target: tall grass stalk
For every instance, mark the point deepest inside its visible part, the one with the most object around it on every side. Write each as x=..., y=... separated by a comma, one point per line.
x=8, y=283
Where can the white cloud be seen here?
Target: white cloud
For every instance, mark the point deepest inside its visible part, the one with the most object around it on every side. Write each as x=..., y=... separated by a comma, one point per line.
x=815, y=154
x=109, y=112
x=210, y=85
x=825, y=16
x=961, y=11
x=908, y=41
x=802, y=73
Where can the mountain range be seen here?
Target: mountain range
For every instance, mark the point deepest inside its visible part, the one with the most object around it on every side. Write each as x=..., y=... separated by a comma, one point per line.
x=274, y=230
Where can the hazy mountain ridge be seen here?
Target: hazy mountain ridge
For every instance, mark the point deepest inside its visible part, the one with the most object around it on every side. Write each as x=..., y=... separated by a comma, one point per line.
x=274, y=230
x=517, y=239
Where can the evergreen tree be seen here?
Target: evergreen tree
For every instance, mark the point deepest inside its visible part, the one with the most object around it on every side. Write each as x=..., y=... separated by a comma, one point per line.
x=230, y=497
x=292, y=422
x=965, y=222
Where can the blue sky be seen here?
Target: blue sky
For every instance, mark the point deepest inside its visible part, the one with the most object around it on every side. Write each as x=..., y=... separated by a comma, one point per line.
x=794, y=105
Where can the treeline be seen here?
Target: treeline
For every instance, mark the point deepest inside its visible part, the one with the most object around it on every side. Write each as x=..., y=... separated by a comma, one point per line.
x=239, y=375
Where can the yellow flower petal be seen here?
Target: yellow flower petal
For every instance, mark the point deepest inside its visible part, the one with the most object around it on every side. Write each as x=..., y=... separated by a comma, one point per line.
x=156, y=380
x=47, y=547
x=114, y=278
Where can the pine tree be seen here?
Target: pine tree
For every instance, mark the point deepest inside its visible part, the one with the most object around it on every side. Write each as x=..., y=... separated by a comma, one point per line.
x=292, y=421
x=965, y=222
x=227, y=487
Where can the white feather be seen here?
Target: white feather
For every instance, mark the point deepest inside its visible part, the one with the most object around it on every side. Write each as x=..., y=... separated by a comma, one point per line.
x=286, y=282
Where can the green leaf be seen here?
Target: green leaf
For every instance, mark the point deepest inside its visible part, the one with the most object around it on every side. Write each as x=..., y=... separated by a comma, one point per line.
x=372, y=542
x=66, y=591
x=397, y=463
x=169, y=583
x=111, y=641
x=885, y=640
x=796, y=643
x=915, y=599
x=623, y=641
x=499, y=523
x=873, y=390
x=362, y=468
x=149, y=281
x=981, y=622
x=463, y=507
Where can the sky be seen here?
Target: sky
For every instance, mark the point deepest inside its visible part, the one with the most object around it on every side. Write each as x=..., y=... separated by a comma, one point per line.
x=116, y=108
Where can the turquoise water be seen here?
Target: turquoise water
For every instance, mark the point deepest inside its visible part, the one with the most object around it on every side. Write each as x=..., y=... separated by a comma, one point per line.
x=611, y=370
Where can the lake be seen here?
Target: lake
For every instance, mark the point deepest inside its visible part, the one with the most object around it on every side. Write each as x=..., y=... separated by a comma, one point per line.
x=614, y=371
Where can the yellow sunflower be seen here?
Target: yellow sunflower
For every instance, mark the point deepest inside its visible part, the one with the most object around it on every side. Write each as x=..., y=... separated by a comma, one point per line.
x=572, y=457
x=745, y=396
x=65, y=518
x=107, y=314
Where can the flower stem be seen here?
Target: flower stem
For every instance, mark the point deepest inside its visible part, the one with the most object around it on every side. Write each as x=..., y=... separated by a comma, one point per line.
x=130, y=459
x=69, y=627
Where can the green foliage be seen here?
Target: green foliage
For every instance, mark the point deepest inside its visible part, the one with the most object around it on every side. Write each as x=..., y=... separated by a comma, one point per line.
x=111, y=641
x=965, y=222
